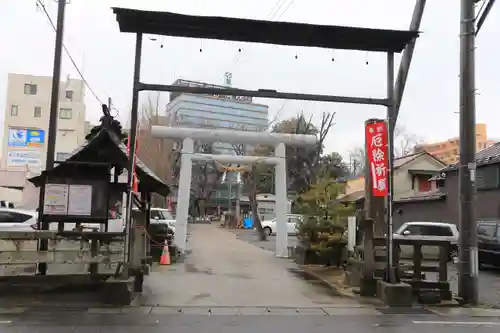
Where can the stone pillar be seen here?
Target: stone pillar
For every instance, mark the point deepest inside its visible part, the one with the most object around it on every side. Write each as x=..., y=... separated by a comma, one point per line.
x=367, y=283
x=281, y=202
x=183, y=195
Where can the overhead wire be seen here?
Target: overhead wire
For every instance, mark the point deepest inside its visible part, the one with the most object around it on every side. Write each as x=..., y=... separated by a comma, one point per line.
x=270, y=16
x=66, y=50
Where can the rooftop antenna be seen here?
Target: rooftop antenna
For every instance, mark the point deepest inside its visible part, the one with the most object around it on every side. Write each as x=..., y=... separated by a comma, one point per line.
x=228, y=79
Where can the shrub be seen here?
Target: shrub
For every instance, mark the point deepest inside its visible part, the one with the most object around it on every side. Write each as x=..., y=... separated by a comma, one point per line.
x=324, y=238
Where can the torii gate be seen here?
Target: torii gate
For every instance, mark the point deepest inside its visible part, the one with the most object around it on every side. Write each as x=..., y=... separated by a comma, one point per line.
x=283, y=33
x=278, y=140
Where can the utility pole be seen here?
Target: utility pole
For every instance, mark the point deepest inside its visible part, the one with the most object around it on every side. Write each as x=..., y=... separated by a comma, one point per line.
x=468, y=270
x=52, y=132
x=56, y=78
x=109, y=103
x=406, y=57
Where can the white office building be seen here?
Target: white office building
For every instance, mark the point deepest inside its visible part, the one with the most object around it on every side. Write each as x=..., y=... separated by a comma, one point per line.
x=216, y=111
x=26, y=122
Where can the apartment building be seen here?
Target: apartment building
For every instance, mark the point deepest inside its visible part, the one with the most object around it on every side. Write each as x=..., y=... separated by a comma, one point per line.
x=24, y=143
x=448, y=151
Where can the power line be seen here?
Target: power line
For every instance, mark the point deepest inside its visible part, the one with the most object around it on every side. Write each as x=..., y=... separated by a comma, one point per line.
x=42, y=6
x=277, y=6
x=270, y=16
x=483, y=13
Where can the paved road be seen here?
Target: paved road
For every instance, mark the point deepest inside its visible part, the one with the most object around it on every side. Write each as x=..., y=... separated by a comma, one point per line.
x=269, y=244
x=229, y=285
x=223, y=270
x=353, y=320
x=489, y=280
x=488, y=284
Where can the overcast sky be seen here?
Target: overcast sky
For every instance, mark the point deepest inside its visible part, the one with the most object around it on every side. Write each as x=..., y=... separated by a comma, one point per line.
x=106, y=58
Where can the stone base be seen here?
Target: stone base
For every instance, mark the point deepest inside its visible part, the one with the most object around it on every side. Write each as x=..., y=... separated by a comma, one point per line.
x=367, y=287
x=118, y=292
x=395, y=294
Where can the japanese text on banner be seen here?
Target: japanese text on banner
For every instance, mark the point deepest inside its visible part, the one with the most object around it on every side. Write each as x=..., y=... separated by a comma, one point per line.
x=376, y=148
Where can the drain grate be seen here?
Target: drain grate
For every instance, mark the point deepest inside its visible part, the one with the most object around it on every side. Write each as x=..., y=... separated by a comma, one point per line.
x=404, y=310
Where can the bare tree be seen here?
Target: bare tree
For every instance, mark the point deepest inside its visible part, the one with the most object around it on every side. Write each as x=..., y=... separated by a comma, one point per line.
x=156, y=153
x=251, y=179
x=404, y=142
x=206, y=176
x=357, y=160
x=304, y=163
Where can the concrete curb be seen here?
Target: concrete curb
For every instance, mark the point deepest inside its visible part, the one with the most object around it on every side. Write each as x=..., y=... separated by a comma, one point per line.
x=346, y=293
x=341, y=291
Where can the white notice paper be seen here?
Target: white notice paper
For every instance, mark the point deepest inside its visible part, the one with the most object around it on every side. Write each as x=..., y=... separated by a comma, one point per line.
x=80, y=200
x=56, y=199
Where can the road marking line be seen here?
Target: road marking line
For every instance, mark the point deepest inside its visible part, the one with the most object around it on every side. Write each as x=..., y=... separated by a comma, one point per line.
x=456, y=322
x=5, y=321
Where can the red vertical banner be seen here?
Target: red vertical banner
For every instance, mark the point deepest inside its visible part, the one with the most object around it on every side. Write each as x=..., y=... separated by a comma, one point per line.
x=135, y=186
x=376, y=148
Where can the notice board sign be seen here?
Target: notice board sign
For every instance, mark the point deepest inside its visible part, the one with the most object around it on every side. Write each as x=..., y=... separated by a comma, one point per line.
x=64, y=199
x=80, y=200
x=56, y=199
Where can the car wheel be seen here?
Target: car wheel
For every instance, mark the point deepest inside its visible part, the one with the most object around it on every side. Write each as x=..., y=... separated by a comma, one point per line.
x=268, y=231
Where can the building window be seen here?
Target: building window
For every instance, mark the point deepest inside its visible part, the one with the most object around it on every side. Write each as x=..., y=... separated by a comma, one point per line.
x=14, y=110
x=65, y=113
x=69, y=95
x=30, y=89
x=37, y=113
x=424, y=185
x=488, y=177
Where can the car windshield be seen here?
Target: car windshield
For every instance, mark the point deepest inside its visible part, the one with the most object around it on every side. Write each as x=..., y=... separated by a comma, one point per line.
x=166, y=215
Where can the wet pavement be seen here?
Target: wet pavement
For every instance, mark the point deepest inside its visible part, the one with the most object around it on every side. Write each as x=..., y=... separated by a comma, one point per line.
x=222, y=270
x=250, y=236
x=342, y=320
x=488, y=285
x=489, y=279
x=228, y=285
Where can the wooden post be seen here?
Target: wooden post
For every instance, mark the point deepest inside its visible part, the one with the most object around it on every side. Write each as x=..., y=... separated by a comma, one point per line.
x=373, y=225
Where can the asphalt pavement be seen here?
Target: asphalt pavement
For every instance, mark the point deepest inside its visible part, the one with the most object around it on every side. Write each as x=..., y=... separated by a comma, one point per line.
x=229, y=285
x=222, y=270
x=352, y=320
x=269, y=244
x=489, y=279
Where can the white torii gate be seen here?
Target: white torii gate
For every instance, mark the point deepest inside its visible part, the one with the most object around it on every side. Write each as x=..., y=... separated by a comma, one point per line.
x=278, y=140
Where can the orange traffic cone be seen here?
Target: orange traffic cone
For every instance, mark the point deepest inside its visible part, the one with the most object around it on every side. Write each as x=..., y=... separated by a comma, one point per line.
x=165, y=255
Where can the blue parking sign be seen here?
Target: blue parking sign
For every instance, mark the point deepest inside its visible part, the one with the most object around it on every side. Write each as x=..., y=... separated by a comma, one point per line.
x=18, y=137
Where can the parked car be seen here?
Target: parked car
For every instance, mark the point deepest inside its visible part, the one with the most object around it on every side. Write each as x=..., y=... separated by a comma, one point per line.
x=17, y=219
x=26, y=220
x=488, y=241
x=430, y=231
x=292, y=219
x=162, y=216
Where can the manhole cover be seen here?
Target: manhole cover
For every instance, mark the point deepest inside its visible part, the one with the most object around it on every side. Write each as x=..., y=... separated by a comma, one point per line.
x=404, y=310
